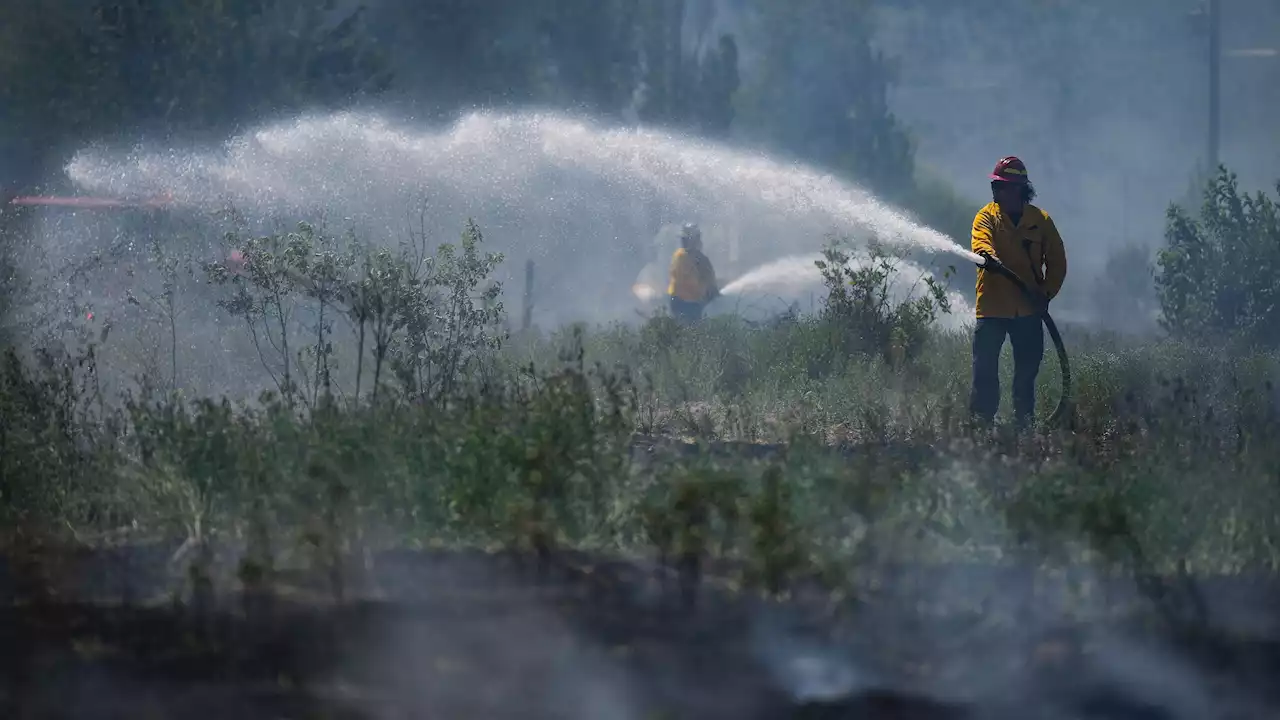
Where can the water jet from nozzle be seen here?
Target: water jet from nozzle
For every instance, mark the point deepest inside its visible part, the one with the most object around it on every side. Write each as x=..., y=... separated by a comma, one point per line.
x=797, y=278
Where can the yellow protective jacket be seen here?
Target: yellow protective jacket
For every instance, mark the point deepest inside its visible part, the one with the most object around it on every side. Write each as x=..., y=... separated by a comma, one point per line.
x=1032, y=249
x=692, y=277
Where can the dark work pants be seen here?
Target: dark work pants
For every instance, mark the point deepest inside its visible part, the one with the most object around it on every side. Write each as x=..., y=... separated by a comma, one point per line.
x=1026, y=335
x=685, y=311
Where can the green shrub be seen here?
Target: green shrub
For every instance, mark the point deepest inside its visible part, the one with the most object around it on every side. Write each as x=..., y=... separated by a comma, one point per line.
x=863, y=314
x=1217, y=274
x=421, y=321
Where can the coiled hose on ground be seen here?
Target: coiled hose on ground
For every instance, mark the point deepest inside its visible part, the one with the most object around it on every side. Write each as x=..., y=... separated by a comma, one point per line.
x=1063, y=410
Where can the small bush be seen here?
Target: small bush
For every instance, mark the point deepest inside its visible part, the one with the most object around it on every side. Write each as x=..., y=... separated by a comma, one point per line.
x=863, y=313
x=55, y=439
x=420, y=320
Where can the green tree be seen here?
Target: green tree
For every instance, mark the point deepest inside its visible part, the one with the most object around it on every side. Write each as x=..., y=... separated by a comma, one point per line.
x=665, y=85
x=592, y=52
x=450, y=54
x=1216, y=275
x=718, y=82
x=821, y=91
x=679, y=86
x=84, y=71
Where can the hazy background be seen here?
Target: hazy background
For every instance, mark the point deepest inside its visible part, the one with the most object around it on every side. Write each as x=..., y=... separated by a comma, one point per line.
x=1106, y=102
x=913, y=100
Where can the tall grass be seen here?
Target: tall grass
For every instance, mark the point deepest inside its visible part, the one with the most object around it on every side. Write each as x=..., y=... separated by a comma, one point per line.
x=811, y=449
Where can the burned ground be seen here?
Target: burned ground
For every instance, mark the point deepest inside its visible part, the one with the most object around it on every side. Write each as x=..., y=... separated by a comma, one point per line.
x=454, y=633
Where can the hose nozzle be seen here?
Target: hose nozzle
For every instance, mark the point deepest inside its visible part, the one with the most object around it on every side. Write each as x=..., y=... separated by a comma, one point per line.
x=990, y=263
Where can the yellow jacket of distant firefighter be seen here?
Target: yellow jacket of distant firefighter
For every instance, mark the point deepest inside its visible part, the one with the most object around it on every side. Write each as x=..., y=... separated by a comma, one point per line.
x=1033, y=249
x=692, y=277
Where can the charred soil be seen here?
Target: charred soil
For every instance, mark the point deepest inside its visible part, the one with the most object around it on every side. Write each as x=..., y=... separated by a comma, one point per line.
x=458, y=634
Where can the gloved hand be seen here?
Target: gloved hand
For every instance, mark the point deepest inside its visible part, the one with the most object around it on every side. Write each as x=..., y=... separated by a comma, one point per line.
x=986, y=259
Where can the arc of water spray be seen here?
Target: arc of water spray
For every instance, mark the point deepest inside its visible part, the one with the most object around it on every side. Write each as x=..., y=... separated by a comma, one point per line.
x=548, y=185
x=351, y=158
x=90, y=202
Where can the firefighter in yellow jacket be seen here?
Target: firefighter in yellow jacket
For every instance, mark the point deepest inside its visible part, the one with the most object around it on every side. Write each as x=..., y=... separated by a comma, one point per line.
x=693, y=280
x=1024, y=238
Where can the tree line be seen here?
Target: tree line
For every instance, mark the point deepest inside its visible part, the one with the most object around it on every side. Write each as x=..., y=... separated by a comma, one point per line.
x=74, y=72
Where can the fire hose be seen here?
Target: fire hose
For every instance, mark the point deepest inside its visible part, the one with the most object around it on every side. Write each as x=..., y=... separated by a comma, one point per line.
x=1063, y=409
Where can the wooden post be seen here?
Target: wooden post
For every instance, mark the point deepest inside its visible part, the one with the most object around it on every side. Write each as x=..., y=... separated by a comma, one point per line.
x=527, y=320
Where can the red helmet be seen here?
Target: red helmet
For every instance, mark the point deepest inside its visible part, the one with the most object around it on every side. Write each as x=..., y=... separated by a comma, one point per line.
x=1010, y=169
